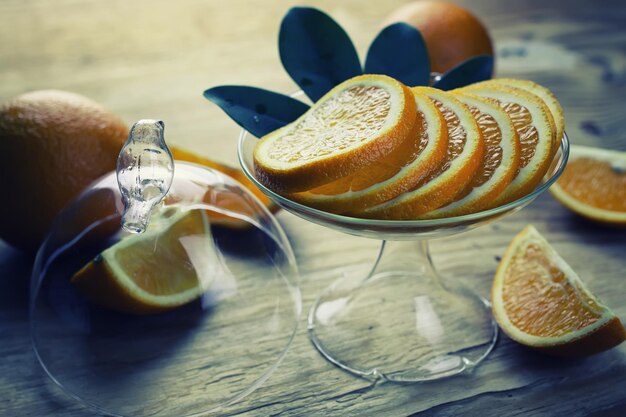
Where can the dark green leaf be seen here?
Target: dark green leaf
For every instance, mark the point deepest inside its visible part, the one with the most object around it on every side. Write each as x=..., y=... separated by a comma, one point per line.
x=316, y=52
x=256, y=110
x=400, y=52
x=473, y=70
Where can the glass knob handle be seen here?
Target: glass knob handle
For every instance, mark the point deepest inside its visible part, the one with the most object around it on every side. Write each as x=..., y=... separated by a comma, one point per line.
x=145, y=170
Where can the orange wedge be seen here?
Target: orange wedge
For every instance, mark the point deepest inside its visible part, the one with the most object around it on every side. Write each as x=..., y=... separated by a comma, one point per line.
x=184, y=155
x=464, y=155
x=593, y=184
x=155, y=271
x=536, y=131
x=543, y=93
x=540, y=302
x=499, y=165
x=356, y=123
x=386, y=178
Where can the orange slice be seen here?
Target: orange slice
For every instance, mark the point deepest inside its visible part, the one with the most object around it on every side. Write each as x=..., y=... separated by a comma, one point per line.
x=536, y=131
x=155, y=271
x=386, y=178
x=499, y=165
x=464, y=155
x=543, y=93
x=356, y=123
x=540, y=302
x=593, y=184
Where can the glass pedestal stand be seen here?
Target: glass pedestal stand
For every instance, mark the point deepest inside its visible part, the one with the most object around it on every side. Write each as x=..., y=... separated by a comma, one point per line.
x=402, y=322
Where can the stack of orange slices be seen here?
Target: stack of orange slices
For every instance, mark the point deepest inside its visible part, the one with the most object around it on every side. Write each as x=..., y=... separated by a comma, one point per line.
x=374, y=148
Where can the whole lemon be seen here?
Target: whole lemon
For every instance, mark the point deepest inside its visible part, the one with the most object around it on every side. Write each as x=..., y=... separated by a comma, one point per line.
x=452, y=33
x=52, y=145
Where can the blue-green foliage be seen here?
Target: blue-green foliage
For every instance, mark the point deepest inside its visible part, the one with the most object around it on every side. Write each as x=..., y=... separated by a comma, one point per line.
x=315, y=51
x=256, y=110
x=473, y=70
x=318, y=55
x=399, y=51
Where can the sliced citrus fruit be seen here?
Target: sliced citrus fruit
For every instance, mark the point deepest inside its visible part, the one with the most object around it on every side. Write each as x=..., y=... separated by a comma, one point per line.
x=593, y=184
x=188, y=156
x=387, y=177
x=535, y=128
x=543, y=93
x=157, y=270
x=464, y=155
x=356, y=123
x=540, y=302
x=500, y=161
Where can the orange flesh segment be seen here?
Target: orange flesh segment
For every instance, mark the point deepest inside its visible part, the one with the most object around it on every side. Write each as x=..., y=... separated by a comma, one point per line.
x=535, y=288
x=595, y=183
x=342, y=127
x=383, y=169
x=160, y=265
x=456, y=139
x=492, y=136
x=528, y=135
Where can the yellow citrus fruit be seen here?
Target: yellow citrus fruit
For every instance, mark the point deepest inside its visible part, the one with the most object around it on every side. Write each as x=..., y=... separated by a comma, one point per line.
x=356, y=123
x=540, y=302
x=155, y=271
x=536, y=131
x=52, y=145
x=389, y=176
x=464, y=155
x=452, y=33
x=593, y=184
x=543, y=93
x=500, y=161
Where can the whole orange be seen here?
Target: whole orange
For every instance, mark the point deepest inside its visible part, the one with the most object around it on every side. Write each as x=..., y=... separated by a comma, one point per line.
x=452, y=34
x=52, y=145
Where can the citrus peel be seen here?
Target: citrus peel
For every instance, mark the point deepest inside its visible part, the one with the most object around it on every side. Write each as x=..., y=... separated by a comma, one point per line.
x=544, y=94
x=386, y=179
x=465, y=152
x=358, y=122
x=593, y=184
x=539, y=301
x=181, y=154
x=536, y=131
x=499, y=165
x=151, y=272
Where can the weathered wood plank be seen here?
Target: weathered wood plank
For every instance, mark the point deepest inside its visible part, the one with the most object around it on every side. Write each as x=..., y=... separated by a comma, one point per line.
x=154, y=58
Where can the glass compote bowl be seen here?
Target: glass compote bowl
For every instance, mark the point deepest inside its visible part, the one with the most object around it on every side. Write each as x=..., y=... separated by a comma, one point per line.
x=402, y=322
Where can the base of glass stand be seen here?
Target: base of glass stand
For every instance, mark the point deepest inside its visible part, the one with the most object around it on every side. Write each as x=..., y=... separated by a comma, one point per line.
x=400, y=322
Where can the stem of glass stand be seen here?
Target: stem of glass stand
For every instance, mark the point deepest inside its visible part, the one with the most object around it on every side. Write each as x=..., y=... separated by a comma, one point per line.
x=400, y=322
x=410, y=256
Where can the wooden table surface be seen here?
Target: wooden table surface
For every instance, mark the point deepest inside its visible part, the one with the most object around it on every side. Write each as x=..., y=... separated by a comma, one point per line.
x=153, y=58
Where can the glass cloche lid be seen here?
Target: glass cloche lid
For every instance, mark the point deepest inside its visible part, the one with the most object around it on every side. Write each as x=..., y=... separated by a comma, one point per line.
x=165, y=290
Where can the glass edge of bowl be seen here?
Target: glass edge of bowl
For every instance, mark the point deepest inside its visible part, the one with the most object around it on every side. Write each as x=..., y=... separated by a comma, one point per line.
x=563, y=151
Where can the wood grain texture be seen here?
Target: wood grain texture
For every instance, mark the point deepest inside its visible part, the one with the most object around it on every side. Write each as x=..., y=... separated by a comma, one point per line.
x=154, y=59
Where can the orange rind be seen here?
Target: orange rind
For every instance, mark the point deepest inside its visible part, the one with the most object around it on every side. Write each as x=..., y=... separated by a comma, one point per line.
x=386, y=179
x=355, y=124
x=499, y=165
x=465, y=153
x=593, y=185
x=536, y=131
x=127, y=277
x=539, y=301
x=544, y=94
